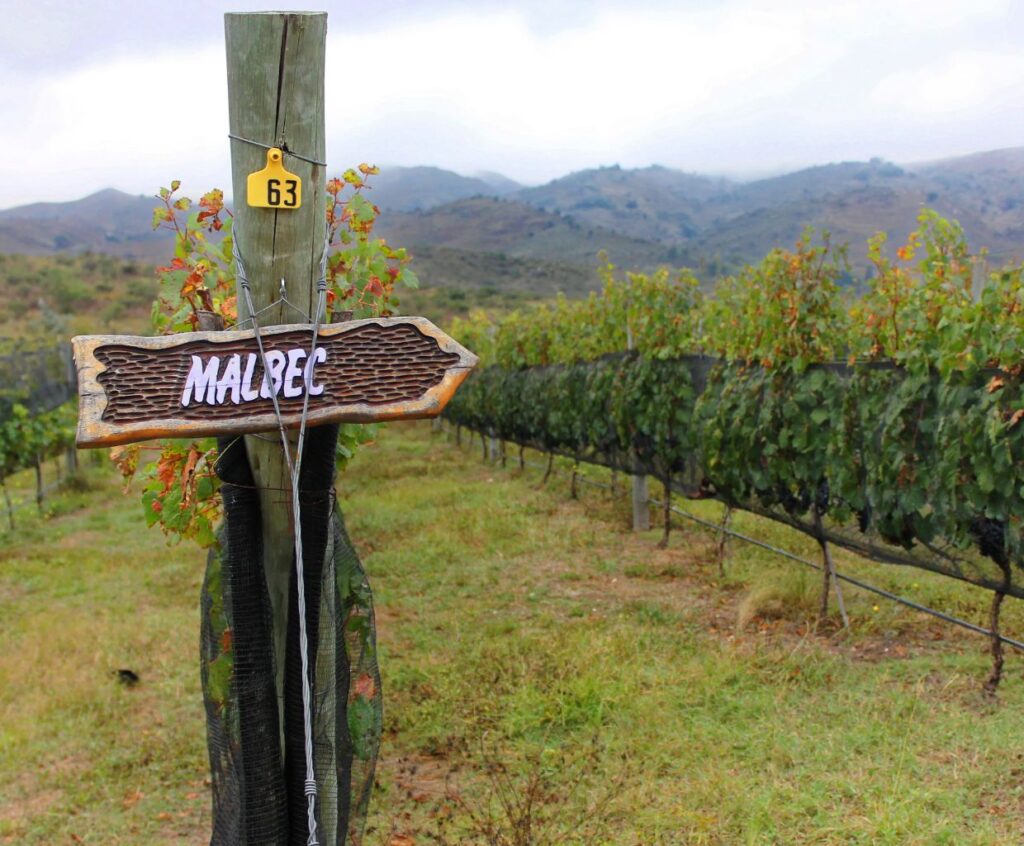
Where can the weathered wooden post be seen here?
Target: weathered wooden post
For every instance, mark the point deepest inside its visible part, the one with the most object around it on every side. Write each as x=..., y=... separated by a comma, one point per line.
x=640, y=492
x=275, y=66
x=289, y=675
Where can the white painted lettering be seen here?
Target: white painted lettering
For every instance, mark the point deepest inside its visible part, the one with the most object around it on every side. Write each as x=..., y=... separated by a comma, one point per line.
x=274, y=375
x=289, y=373
x=291, y=390
x=201, y=382
x=248, y=392
x=319, y=357
x=229, y=380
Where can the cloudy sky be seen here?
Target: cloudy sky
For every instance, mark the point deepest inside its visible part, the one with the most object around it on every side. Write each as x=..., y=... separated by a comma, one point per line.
x=131, y=93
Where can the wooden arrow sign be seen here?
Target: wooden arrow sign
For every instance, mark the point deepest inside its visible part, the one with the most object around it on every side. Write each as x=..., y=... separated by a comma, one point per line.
x=210, y=383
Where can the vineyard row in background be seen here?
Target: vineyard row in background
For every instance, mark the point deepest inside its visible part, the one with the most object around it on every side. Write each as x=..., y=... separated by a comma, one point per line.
x=885, y=419
x=37, y=422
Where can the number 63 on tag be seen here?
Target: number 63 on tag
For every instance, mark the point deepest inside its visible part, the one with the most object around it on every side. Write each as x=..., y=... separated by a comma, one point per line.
x=274, y=187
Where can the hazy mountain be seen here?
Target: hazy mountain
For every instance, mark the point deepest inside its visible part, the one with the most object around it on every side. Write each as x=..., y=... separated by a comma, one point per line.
x=490, y=225
x=499, y=184
x=489, y=229
x=989, y=185
x=652, y=203
x=854, y=200
x=472, y=269
x=412, y=188
x=108, y=221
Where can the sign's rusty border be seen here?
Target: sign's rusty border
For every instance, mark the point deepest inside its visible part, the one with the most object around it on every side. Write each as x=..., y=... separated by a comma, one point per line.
x=94, y=431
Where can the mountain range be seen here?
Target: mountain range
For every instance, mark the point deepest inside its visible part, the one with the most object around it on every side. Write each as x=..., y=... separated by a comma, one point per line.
x=487, y=230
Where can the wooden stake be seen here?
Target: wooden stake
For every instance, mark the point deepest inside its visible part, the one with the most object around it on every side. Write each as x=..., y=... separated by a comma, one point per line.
x=992, y=682
x=829, y=574
x=723, y=538
x=275, y=66
x=547, y=472
x=39, y=483
x=7, y=500
x=641, y=513
x=666, y=515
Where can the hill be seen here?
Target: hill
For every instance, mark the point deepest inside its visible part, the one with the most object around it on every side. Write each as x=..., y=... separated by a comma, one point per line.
x=108, y=221
x=726, y=224
x=490, y=225
x=466, y=228
x=990, y=185
x=652, y=203
x=417, y=188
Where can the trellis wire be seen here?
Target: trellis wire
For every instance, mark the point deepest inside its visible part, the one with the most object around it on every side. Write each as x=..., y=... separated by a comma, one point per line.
x=902, y=600
x=310, y=788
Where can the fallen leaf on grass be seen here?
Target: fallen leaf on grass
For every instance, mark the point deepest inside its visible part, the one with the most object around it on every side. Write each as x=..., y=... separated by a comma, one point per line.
x=132, y=797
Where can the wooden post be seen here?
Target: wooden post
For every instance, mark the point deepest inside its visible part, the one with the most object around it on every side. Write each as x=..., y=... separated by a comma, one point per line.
x=275, y=65
x=723, y=539
x=7, y=500
x=641, y=513
x=39, y=482
x=71, y=454
x=828, y=568
x=666, y=506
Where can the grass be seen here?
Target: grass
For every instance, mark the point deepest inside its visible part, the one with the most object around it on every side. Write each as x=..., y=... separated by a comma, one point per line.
x=550, y=677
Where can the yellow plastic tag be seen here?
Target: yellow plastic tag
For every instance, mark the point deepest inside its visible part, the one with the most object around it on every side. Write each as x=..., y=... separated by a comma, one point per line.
x=274, y=187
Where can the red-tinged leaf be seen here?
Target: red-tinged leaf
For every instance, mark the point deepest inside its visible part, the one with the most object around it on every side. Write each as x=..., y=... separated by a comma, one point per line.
x=374, y=287
x=167, y=468
x=225, y=641
x=188, y=476
x=212, y=200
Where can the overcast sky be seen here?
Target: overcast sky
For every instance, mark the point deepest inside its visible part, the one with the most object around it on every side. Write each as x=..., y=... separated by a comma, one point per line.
x=131, y=94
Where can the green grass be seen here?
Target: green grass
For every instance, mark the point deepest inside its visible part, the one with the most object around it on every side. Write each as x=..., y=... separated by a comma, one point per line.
x=531, y=647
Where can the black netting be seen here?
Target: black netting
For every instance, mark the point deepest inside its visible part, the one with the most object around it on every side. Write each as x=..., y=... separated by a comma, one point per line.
x=39, y=379
x=905, y=468
x=256, y=748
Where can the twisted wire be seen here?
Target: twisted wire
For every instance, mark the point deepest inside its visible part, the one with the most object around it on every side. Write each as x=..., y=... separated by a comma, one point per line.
x=294, y=467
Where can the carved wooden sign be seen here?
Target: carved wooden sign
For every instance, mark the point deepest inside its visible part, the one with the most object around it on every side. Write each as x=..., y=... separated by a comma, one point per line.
x=206, y=383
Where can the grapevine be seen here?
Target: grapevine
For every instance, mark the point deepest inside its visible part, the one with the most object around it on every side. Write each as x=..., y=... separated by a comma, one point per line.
x=179, y=486
x=898, y=408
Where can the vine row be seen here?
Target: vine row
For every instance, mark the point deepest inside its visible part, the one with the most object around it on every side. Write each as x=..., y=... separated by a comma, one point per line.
x=885, y=419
